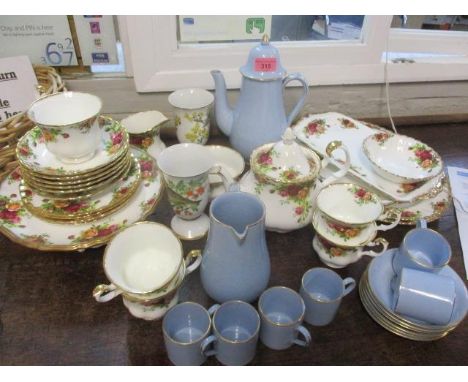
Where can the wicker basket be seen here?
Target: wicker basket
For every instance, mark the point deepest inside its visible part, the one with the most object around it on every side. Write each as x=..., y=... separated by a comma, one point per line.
x=14, y=127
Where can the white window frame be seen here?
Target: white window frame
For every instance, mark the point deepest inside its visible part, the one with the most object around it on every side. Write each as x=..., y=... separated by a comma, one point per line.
x=157, y=63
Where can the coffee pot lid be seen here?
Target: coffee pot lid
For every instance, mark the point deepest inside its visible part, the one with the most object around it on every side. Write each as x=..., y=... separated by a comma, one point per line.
x=263, y=63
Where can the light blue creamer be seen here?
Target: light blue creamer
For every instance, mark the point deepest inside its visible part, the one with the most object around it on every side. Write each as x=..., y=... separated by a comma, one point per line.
x=259, y=116
x=236, y=263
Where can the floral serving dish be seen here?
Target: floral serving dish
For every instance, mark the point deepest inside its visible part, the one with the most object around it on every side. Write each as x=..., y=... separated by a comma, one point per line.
x=24, y=228
x=285, y=177
x=401, y=159
x=316, y=130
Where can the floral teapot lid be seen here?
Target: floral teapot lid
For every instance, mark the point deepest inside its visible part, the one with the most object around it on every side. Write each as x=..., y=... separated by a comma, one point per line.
x=263, y=63
x=285, y=161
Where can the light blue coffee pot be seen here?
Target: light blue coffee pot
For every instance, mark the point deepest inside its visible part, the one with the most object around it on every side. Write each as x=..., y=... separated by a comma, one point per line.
x=236, y=263
x=259, y=116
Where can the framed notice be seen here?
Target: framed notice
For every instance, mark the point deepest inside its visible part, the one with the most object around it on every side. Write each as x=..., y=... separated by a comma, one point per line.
x=46, y=40
x=223, y=28
x=96, y=37
x=18, y=86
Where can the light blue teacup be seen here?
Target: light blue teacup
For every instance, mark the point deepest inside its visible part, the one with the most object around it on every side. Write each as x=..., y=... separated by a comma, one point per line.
x=184, y=327
x=322, y=290
x=282, y=311
x=236, y=326
x=423, y=249
x=424, y=296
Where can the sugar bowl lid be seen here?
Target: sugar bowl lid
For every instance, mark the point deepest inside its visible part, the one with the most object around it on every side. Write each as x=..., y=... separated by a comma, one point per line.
x=263, y=63
x=285, y=161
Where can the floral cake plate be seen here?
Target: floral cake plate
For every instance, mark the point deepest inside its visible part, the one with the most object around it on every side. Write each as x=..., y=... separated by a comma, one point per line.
x=73, y=211
x=24, y=228
x=316, y=131
x=401, y=159
x=33, y=154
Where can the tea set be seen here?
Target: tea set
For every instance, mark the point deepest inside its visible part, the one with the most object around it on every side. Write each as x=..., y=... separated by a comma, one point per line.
x=85, y=180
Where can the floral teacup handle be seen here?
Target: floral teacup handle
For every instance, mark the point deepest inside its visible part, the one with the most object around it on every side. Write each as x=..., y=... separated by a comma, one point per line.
x=224, y=174
x=104, y=293
x=393, y=213
x=379, y=241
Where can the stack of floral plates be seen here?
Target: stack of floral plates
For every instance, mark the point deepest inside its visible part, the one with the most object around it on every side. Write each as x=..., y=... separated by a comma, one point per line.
x=377, y=296
x=49, y=205
x=405, y=173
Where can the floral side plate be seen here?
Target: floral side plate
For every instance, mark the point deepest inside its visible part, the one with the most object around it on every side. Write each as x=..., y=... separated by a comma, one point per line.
x=316, y=131
x=33, y=154
x=430, y=209
x=72, y=211
x=401, y=159
x=19, y=225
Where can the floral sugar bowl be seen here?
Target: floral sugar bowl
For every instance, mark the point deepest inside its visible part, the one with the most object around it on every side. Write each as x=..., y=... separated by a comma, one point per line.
x=285, y=177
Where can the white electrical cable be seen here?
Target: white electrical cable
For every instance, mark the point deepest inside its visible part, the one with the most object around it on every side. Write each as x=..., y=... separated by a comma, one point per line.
x=387, y=86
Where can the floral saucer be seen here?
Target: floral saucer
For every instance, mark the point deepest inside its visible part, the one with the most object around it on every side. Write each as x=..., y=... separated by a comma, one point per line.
x=24, y=228
x=342, y=235
x=73, y=211
x=401, y=159
x=33, y=154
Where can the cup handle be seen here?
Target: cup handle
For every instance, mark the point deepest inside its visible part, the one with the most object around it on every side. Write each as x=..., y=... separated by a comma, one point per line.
x=396, y=214
x=212, y=310
x=206, y=344
x=349, y=283
x=379, y=241
x=224, y=174
x=421, y=223
x=104, y=293
x=301, y=330
x=192, y=260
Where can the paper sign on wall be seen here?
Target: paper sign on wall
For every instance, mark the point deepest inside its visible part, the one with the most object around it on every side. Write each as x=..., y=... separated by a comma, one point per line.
x=18, y=86
x=46, y=40
x=223, y=28
x=96, y=37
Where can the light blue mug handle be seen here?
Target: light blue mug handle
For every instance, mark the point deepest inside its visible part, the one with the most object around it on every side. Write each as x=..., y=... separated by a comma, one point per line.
x=234, y=187
x=349, y=284
x=297, y=77
x=212, y=310
x=206, y=344
x=421, y=223
x=306, y=334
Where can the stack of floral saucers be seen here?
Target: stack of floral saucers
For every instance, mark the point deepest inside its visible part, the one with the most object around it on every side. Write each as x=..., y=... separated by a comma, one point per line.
x=345, y=223
x=48, y=204
x=376, y=294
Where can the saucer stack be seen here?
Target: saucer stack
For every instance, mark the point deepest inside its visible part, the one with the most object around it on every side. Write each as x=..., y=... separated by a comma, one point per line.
x=76, y=192
x=377, y=295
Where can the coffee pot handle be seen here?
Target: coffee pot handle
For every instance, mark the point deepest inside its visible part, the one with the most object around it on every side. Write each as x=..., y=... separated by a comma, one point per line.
x=300, y=104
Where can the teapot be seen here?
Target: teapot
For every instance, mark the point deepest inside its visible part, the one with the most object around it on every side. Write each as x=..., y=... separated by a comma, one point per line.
x=286, y=177
x=259, y=116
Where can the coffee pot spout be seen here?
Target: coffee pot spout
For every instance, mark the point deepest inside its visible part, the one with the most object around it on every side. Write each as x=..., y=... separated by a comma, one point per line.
x=223, y=112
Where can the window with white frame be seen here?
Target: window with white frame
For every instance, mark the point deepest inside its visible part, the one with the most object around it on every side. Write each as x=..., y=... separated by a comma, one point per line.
x=169, y=52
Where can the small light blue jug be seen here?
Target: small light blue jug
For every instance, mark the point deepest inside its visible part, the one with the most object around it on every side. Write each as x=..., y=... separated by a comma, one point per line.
x=236, y=263
x=259, y=116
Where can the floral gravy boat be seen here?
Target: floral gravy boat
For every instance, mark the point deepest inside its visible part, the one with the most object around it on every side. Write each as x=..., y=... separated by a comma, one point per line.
x=285, y=177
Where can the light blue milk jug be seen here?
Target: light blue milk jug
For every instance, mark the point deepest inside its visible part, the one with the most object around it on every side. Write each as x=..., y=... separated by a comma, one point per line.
x=259, y=116
x=236, y=263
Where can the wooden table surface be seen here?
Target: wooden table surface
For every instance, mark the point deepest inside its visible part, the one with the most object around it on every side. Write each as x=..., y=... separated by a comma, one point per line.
x=48, y=316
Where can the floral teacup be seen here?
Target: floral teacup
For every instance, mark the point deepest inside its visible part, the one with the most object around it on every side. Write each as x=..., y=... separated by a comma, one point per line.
x=69, y=123
x=192, y=114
